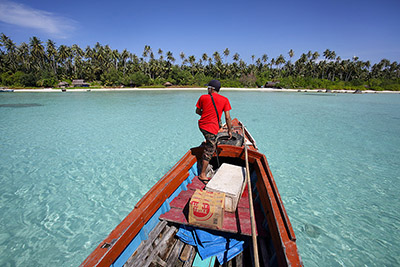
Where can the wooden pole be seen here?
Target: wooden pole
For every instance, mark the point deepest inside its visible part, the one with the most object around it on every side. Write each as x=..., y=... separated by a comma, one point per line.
x=253, y=221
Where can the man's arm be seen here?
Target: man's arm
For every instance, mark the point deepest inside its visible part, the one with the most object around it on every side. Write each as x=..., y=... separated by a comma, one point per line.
x=199, y=111
x=228, y=123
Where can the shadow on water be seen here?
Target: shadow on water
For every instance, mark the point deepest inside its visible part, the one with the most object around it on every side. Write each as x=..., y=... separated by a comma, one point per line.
x=311, y=230
x=25, y=105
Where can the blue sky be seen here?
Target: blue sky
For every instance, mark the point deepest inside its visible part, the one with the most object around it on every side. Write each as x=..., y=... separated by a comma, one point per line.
x=369, y=29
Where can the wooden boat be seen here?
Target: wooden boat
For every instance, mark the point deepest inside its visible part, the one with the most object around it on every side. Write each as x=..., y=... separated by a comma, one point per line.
x=146, y=237
x=6, y=90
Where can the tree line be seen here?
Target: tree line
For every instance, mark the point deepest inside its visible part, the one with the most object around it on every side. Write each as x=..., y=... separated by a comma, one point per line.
x=43, y=64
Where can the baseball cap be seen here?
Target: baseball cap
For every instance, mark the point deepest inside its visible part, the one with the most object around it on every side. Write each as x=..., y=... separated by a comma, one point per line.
x=216, y=84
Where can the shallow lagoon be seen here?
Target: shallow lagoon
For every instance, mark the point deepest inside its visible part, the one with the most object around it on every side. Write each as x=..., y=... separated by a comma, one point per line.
x=74, y=165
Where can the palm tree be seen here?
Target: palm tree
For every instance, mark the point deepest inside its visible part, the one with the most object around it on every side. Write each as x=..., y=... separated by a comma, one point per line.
x=289, y=65
x=273, y=61
x=291, y=53
x=133, y=65
x=394, y=70
x=182, y=56
x=124, y=57
x=7, y=43
x=170, y=60
x=332, y=55
x=204, y=57
x=146, y=51
x=160, y=54
x=315, y=56
x=192, y=60
x=37, y=52
x=259, y=64
x=77, y=55
x=65, y=56
x=11, y=50
x=264, y=58
x=23, y=56
x=327, y=53
x=218, y=64
x=226, y=54
x=217, y=57
x=300, y=65
x=236, y=57
x=170, y=57
x=115, y=55
x=52, y=55
x=108, y=63
x=279, y=61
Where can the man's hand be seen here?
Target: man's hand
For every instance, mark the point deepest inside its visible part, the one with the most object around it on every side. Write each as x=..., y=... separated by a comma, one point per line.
x=228, y=123
x=199, y=111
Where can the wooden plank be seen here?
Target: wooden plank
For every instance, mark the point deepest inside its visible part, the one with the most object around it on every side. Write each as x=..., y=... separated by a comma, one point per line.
x=244, y=199
x=196, y=184
x=239, y=262
x=189, y=262
x=182, y=199
x=174, y=255
x=163, y=244
x=185, y=255
x=145, y=245
x=174, y=215
x=160, y=261
x=164, y=254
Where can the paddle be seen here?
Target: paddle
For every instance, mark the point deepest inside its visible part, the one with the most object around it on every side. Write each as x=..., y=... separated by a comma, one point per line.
x=253, y=222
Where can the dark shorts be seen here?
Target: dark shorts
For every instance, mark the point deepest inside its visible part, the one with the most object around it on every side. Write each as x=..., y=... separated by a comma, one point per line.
x=211, y=141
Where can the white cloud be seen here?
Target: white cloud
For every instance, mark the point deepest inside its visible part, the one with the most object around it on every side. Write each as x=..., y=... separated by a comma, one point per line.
x=27, y=17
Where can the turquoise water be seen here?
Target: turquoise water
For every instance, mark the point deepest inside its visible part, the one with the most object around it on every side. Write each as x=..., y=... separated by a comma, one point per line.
x=73, y=165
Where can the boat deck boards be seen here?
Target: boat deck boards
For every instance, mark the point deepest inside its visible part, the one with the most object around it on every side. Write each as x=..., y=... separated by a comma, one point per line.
x=163, y=248
x=234, y=222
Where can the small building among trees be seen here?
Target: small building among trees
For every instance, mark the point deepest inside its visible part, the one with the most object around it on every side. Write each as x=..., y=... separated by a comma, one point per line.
x=79, y=83
x=270, y=84
x=63, y=84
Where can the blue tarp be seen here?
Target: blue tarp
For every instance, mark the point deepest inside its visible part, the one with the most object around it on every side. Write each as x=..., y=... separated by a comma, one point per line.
x=211, y=243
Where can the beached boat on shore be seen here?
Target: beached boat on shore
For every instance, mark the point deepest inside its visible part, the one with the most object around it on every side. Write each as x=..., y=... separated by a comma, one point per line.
x=151, y=235
x=2, y=90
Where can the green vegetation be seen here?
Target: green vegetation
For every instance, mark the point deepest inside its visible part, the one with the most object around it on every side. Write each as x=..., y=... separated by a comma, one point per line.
x=39, y=64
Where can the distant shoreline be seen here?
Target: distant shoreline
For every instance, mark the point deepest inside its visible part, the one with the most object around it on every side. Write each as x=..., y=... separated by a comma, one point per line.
x=50, y=90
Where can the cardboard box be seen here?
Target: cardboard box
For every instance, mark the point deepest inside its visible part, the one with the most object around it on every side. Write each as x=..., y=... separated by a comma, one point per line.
x=207, y=209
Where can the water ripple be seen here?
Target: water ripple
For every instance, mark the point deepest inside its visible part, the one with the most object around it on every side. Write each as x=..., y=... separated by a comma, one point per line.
x=74, y=166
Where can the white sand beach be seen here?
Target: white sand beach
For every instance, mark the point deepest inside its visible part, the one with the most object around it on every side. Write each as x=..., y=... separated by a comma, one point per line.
x=51, y=90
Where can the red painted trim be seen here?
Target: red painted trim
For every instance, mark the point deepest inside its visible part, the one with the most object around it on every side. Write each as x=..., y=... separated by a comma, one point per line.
x=123, y=234
x=288, y=225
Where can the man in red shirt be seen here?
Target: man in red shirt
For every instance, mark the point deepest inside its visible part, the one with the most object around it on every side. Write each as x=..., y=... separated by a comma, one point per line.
x=209, y=121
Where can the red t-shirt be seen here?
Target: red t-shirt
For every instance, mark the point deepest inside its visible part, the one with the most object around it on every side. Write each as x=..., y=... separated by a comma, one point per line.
x=208, y=120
